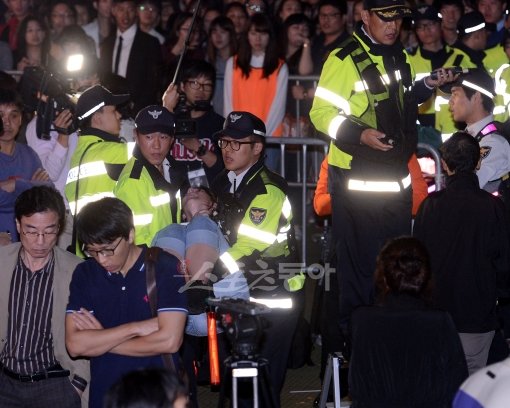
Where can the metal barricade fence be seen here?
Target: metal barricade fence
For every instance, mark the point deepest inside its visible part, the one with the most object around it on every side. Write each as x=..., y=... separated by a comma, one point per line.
x=304, y=171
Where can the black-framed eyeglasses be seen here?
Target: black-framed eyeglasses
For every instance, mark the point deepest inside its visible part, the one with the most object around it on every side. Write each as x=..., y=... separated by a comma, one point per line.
x=36, y=234
x=107, y=252
x=198, y=85
x=234, y=144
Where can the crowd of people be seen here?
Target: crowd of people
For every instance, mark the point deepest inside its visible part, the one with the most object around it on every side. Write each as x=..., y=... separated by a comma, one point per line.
x=124, y=206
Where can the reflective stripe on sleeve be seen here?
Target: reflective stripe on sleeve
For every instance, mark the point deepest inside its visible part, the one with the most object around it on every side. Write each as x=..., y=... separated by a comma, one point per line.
x=229, y=262
x=334, y=125
x=286, y=209
x=334, y=99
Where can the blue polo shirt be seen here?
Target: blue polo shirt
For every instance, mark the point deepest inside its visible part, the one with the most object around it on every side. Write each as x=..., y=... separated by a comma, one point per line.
x=115, y=299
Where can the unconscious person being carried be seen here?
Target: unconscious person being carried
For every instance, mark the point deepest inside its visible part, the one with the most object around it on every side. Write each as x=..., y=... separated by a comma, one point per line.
x=198, y=244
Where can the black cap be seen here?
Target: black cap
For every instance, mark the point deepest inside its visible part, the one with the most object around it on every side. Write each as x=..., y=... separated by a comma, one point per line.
x=155, y=118
x=388, y=10
x=239, y=125
x=471, y=22
x=438, y=4
x=476, y=79
x=94, y=98
x=425, y=12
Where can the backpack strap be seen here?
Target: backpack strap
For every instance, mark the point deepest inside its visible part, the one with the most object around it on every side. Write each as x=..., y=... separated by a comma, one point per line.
x=151, y=257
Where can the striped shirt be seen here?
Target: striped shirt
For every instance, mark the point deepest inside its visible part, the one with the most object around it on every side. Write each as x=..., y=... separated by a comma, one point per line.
x=29, y=345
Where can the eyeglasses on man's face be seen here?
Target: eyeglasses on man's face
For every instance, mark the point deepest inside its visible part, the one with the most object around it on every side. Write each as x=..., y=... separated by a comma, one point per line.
x=36, y=234
x=194, y=84
x=234, y=144
x=106, y=252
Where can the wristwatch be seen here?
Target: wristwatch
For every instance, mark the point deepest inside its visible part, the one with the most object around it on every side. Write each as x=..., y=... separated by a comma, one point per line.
x=202, y=150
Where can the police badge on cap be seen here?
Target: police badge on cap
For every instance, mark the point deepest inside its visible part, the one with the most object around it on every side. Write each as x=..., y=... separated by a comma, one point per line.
x=388, y=10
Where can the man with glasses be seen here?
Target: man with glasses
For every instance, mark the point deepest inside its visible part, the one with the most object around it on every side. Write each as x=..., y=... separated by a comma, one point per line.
x=260, y=233
x=34, y=289
x=332, y=20
x=149, y=14
x=197, y=150
x=109, y=318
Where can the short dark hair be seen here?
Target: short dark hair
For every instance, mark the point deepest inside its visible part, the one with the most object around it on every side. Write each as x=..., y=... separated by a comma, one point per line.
x=11, y=97
x=340, y=5
x=487, y=103
x=461, y=152
x=104, y=221
x=40, y=199
x=403, y=266
x=148, y=388
x=199, y=68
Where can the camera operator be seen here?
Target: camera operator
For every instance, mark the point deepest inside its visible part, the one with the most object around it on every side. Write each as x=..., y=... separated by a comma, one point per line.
x=261, y=236
x=198, y=150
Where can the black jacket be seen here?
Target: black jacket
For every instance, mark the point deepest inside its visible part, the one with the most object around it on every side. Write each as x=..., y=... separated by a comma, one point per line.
x=404, y=354
x=466, y=232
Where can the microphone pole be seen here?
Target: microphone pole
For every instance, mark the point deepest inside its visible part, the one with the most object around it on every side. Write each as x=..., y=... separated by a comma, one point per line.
x=186, y=42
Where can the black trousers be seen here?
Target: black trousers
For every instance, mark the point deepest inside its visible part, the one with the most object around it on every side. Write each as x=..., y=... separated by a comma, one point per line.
x=362, y=223
x=49, y=393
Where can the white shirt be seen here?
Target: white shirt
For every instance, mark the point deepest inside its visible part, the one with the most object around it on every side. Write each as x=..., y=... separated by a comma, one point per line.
x=277, y=110
x=495, y=152
x=92, y=30
x=55, y=158
x=128, y=37
x=236, y=180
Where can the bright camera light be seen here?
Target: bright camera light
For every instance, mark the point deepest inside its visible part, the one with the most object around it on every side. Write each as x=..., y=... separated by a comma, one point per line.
x=74, y=62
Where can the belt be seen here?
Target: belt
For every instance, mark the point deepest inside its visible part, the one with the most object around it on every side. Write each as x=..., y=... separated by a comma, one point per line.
x=55, y=371
x=379, y=186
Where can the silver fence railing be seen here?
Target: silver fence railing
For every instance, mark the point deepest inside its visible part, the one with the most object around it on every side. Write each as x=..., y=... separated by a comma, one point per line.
x=308, y=168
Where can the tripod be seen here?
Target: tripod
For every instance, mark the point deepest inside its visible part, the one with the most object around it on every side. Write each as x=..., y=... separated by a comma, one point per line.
x=255, y=368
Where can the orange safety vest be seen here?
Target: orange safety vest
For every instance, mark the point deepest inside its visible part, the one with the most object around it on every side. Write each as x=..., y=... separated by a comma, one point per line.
x=255, y=94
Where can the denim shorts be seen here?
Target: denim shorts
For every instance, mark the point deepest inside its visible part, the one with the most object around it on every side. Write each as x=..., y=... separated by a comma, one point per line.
x=200, y=230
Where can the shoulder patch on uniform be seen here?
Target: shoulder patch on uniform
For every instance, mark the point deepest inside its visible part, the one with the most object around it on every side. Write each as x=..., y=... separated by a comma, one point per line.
x=485, y=151
x=347, y=49
x=257, y=215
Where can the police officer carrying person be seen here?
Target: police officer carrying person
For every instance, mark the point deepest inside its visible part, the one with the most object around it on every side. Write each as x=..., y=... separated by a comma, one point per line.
x=99, y=156
x=261, y=234
x=371, y=119
x=149, y=183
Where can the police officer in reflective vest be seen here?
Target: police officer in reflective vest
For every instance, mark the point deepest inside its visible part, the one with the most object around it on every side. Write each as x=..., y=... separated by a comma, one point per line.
x=99, y=156
x=366, y=101
x=150, y=184
x=259, y=219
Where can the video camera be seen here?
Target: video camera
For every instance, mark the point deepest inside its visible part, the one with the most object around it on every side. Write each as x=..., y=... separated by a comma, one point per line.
x=243, y=324
x=185, y=125
x=50, y=92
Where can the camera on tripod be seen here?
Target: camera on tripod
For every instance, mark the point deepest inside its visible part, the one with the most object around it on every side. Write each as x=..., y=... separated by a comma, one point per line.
x=185, y=125
x=50, y=92
x=243, y=324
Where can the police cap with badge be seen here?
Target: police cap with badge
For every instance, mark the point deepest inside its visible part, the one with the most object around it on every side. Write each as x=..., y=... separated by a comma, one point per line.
x=388, y=10
x=239, y=125
x=155, y=118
